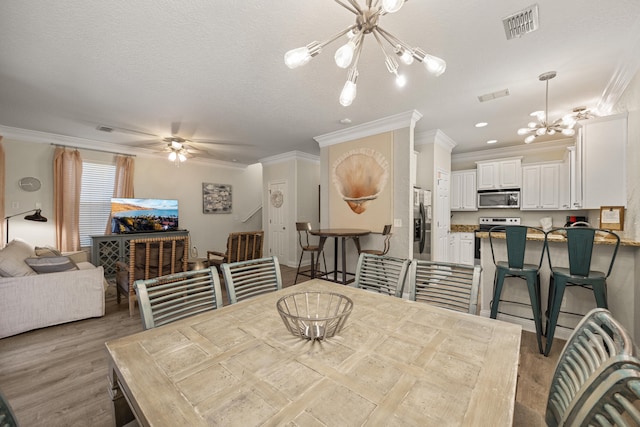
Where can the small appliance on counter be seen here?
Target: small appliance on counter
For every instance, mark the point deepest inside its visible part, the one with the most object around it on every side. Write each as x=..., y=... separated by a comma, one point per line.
x=577, y=221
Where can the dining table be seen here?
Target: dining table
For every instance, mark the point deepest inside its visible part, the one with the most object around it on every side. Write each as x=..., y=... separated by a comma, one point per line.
x=395, y=362
x=342, y=235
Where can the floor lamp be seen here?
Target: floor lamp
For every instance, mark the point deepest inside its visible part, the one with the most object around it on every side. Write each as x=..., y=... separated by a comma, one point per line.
x=35, y=217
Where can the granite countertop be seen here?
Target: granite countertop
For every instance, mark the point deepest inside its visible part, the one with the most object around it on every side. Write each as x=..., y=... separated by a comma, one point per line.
x=559, y=238
x=463, y=228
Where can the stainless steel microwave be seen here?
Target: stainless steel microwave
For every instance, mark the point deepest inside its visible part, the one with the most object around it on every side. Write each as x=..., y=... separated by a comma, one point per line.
x=499, y=199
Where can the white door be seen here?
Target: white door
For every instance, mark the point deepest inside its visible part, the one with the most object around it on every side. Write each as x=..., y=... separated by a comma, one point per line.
x=443, y=217
x=278, y=202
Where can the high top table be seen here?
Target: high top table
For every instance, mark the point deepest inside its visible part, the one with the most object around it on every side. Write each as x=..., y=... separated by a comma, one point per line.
x=395, y=362
x=340, y=234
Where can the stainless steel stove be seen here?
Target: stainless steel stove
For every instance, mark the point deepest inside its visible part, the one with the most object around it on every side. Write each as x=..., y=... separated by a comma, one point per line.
x=485, y=224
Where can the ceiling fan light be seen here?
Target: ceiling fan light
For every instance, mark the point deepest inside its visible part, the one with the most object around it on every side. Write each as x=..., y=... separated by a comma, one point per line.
x=529, y=139
x=182, y=157
x=392, y=6
x=175, y=145
x=172, y=156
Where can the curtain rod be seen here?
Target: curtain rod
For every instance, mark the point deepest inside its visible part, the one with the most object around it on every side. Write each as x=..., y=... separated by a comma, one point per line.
x=93, y=149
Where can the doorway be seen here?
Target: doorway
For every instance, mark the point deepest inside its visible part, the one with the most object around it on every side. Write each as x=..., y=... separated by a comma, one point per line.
x=278, y=233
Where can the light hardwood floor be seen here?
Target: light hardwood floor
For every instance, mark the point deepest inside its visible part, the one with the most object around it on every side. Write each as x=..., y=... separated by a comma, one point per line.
x=57, y=376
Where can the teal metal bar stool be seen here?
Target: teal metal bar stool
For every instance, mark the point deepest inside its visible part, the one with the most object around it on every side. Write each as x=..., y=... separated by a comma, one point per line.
x=515, y=266
x=579, y=241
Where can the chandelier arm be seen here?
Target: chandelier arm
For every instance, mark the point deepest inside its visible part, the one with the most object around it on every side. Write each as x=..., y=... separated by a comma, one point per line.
x=337, y=36
x=391, y=39
x=356, y=6
x=357, y=54
x=349, y=8
x=386, y=55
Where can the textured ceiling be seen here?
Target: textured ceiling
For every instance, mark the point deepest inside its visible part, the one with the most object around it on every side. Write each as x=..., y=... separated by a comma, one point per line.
x=214, y=70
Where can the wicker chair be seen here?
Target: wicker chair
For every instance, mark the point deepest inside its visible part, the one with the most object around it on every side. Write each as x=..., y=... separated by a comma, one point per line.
x=150, y=258
x=241, y=246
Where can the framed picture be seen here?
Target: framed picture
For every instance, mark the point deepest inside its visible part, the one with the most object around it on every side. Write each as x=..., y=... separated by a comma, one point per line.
x=612, y=217
x=216, y=198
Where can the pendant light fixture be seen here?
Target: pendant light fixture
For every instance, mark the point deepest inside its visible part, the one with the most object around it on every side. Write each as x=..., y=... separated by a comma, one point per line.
x=542, y=127
x=348, y=55
x=177, y=152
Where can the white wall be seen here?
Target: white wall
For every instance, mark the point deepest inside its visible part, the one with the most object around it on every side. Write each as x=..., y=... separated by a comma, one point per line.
x=154, y=177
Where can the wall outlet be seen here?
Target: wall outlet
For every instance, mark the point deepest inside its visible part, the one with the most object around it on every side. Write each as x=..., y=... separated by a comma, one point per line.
x=397, y=222
x=15, y=205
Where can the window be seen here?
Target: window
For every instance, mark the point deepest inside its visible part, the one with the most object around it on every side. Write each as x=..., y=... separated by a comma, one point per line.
x=95, y=199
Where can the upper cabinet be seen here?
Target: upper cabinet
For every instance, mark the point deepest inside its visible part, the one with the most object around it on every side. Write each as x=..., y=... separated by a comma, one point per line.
x=601, y=149
x=463, y=190
x=499, y=174
x=541, y=186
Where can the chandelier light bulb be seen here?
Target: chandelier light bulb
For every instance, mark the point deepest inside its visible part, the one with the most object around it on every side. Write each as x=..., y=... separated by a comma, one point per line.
x=348, y=93
x=551, y=132
x=297, y=57
x=523, y=131
x=344, y=55
x=541, y=131
x=529, y=139
x=391, y=6
x=532, y=125
x=172, y=156
x=434, y=65
x=569, y=120
x=568, y=132
x=401, y=80
x=406, y=56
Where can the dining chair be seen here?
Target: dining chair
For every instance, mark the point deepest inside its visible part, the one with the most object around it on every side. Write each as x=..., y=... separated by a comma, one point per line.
x=381, y=273
x=303, y=229
x=448, y=285
x=579, y=245
x=7, y=417
x=595, y=343
x=166, y=299
x=515, y=266
x=246, y=279
x=386, y=233
x=612, y=397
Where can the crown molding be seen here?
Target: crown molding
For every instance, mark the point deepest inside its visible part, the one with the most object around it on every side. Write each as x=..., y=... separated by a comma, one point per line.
x=386, y=124
x=512, y=151
x=291, y=155
x=434, y=136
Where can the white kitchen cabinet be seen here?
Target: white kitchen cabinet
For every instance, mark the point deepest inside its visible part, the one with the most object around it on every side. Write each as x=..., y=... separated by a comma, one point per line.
x=602, y=150
x=541, y=186
x=499, y=174
x=463, y=190
x=462, y=248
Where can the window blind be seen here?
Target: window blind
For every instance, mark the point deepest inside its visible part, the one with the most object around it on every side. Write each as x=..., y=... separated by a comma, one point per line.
x=95, y=199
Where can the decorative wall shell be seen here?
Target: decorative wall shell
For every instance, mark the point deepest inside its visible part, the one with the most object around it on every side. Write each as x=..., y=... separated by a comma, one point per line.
x=359, y=176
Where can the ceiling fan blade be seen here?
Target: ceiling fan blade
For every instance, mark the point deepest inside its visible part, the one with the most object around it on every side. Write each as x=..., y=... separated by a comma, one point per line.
x=109, y=128
x=175, y=128
x=221, y=142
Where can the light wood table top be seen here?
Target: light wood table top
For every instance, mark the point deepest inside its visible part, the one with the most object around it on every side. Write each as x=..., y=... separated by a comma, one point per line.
x=395, y=362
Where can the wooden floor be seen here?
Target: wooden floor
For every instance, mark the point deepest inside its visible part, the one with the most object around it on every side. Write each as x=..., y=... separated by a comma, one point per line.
x=57, y=376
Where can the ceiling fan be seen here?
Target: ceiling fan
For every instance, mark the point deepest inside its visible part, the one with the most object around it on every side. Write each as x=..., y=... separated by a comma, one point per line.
x=179, y=148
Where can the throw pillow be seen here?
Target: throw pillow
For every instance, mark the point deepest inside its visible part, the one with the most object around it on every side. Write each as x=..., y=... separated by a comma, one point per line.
x=47, y=251
x=12, y=259
x=51, y=264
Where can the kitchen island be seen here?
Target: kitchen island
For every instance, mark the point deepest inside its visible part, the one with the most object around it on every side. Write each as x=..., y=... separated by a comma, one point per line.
x=623, y=293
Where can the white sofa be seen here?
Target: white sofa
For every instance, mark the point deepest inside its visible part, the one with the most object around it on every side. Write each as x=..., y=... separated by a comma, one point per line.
x=33, y=301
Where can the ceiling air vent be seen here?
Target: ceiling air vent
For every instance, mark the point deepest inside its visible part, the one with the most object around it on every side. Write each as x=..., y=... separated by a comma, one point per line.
x=102, y=128
x=521, y=23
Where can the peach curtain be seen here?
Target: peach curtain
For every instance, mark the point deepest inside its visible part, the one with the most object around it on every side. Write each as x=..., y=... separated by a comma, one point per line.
x=2, y=180
x=123, y=185
x=67, y=177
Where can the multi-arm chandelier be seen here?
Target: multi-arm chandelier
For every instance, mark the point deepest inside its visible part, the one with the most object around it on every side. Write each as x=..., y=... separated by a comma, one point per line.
x=367, y=18
x=563, y=125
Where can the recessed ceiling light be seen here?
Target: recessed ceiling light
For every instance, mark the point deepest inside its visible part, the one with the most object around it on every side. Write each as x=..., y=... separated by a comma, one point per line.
x=345, y=121
x=481, y=124
x=492, y=141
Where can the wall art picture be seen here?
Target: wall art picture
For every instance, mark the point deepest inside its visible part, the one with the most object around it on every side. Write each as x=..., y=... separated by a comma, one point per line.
x=216, y=198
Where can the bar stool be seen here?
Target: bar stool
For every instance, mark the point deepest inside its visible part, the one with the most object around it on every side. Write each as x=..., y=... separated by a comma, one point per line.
x=516, y=240
x=303, y=229
x=386, y=232
x=579, y=242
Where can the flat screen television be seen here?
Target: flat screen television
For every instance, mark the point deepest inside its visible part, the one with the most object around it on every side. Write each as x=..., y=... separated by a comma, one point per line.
x=143, y=215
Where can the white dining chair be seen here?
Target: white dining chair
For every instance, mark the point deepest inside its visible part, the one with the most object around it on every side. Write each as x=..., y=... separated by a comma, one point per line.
x=246, y=279
x=381, y=273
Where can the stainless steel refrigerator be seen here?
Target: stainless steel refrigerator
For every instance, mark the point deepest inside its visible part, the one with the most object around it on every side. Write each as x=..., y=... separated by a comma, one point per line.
x=421, y=223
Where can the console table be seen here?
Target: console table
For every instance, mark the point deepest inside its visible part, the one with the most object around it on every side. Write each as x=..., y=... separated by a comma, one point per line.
x=108, y=249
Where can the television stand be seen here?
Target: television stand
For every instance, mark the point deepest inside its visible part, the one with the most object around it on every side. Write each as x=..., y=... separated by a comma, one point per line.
x=108, y=249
